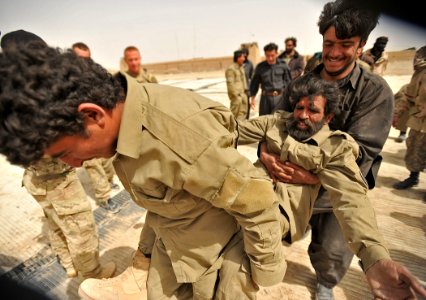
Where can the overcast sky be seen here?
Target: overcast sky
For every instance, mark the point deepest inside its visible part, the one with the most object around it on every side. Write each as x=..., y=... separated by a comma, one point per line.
x=168, y=30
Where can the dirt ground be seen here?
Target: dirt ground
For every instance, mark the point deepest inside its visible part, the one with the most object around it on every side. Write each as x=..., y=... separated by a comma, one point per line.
x=25, y=254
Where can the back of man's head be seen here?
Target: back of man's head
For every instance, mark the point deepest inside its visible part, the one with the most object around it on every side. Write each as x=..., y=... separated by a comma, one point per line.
x=81, y=49
x=350, y=18
x=21, y=38
x=41, y=89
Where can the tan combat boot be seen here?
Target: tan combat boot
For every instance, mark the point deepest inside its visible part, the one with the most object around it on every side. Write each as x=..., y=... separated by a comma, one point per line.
x=129, y=285
x=107, y=270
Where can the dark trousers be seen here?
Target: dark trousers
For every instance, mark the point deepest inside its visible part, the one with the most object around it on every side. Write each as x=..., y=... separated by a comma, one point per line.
x=267, y=104
x=328, y=251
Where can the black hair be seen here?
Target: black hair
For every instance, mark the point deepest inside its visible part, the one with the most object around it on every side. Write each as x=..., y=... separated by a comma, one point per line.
x=270, y=47
x=237, y=54
x=350, y=18
x=40, y=91
x=311, y=85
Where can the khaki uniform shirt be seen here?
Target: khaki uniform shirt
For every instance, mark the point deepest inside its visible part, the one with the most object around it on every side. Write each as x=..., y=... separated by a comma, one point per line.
x=144, y=76
x=366, y=111
x=235, y=81
x=332, y=156
x=180, y=163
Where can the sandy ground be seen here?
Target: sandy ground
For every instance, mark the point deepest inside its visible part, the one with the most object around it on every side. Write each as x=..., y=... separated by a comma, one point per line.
x=401, y=217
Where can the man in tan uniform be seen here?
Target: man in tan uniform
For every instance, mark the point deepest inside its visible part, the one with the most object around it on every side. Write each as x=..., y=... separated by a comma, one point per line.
x=215, y=217
x=56, y=187
x=236, y=85
x=132, y=59
x=304, y=138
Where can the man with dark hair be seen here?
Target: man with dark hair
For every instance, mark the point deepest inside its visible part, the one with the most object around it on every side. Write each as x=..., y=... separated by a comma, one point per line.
x=273, y=76
x=215, y=216
x=236, y=86
x=366, y=114
x=303, y=137
x=57, y=188
x=295, y=61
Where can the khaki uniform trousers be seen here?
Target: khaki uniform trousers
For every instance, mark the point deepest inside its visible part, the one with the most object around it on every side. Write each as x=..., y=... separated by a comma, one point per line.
x=239, y=106
x=229, y=278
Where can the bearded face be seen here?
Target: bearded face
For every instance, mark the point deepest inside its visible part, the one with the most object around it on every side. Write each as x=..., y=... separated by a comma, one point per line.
x=301, y=130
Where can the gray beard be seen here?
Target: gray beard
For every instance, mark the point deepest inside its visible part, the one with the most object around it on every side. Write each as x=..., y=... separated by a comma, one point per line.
x=303, y=134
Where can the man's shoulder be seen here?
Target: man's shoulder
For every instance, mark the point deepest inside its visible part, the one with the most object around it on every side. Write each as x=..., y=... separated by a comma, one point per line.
x=342, y=141
x=374, y=81
x=262, y=64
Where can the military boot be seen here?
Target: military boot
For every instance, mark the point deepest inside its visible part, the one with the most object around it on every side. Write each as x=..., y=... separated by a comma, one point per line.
x=104, y=271
x=402, y=137
x=323, y=292
x=129, y=285
x=411, y=181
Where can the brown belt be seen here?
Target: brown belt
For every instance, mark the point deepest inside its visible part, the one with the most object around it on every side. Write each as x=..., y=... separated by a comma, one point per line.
x=272, y=93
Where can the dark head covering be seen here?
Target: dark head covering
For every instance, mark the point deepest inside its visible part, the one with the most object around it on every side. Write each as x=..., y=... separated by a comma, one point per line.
x=20, y=38
x=381, y=43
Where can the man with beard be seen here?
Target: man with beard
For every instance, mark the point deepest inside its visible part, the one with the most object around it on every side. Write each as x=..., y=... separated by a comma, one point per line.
x=366, y=109
x=304, y=138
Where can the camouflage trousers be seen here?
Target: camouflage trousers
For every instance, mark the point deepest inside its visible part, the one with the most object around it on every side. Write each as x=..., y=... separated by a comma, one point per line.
x=101, y=173
x=71, y=226
x=415, y=157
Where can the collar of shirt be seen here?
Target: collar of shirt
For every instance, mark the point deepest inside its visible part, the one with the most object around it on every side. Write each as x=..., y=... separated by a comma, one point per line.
x=129, y=137
x=320, y=137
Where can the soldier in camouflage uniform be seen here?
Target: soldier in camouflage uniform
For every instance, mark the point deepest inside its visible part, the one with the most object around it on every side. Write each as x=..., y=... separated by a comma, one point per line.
x=415, y=104
x=72, y=229
x=132, y=59
x=101, y=173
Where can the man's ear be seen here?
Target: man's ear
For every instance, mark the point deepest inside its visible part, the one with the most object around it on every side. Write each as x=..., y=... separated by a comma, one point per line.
x=93, y=113
x=328, y=118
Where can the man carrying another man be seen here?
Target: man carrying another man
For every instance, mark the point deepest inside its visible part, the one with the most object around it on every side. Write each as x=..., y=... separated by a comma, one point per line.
x=216, y=218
